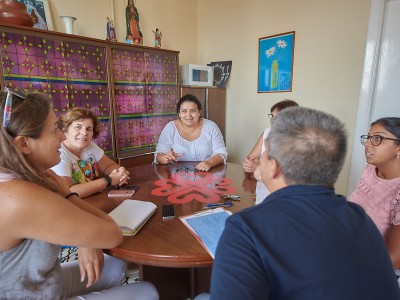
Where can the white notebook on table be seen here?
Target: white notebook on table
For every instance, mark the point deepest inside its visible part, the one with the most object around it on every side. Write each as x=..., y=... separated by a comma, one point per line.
x=131, y=215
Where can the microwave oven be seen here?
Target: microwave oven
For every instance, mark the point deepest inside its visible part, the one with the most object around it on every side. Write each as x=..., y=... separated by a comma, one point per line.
x=198, y=75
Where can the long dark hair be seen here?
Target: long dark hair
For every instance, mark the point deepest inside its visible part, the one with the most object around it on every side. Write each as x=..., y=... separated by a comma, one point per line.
x=391, y=124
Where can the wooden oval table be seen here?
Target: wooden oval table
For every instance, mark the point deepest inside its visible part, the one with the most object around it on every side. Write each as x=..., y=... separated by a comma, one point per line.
x=162, y=247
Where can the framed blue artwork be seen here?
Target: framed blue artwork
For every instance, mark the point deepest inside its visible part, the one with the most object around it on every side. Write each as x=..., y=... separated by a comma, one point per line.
x=275, y=63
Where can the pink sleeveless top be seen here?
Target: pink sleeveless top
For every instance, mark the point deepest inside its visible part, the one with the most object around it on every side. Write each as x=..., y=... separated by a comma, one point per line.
x=379, y=197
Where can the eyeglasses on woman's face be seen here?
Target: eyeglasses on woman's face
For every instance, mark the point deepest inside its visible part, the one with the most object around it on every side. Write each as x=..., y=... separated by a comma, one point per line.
x=375, y=140
x=8, y=106
x=273, y=113
x=270, y=116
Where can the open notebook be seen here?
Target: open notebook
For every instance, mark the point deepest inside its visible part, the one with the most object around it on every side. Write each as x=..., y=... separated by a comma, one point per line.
x=131, y=215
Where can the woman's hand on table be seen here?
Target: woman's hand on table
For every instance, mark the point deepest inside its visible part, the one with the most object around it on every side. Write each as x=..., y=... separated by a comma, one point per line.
x=90, y=264
x=124, y=176
x=250, y=164
x=166, y=158
x=119, y=176
x=203, y=166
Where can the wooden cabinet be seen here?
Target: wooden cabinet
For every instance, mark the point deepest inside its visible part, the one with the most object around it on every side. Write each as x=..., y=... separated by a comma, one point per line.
x=132, y=90
x=213, y=100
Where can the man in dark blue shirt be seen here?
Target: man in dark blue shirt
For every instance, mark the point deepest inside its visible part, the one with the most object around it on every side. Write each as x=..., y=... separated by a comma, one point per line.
x=303, y=241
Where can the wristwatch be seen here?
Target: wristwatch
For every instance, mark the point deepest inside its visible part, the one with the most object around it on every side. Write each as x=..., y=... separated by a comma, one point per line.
x=108, y=180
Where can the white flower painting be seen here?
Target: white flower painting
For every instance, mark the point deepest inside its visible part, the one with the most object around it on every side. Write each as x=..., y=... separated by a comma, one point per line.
x=276, y=63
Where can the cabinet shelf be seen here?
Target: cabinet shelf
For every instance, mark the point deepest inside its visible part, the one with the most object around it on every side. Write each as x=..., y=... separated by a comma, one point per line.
x=133, y=90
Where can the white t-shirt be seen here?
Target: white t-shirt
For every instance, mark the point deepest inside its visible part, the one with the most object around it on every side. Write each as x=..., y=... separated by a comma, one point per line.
x=261, y=189
x=80, y=169
x=265, y=135
x=209, y=143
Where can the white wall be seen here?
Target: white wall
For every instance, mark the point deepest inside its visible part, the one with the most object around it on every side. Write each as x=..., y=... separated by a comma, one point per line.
x=329, y=51
x=177, y=20
x=379, y=89
x=328, y=60
x=91, y=16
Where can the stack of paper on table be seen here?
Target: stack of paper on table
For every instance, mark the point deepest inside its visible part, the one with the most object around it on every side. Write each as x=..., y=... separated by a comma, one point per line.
x=131, y=215
x=207, y=226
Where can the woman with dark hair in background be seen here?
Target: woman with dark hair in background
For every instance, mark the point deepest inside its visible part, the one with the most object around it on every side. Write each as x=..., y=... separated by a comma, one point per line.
x=252, y=160
x=191, y=138
x=378, y=190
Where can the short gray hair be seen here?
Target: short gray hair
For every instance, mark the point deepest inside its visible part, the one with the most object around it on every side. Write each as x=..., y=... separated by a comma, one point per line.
x=308, y=145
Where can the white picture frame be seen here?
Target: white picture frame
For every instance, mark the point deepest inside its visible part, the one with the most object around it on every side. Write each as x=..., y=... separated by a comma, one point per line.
x=42, y=11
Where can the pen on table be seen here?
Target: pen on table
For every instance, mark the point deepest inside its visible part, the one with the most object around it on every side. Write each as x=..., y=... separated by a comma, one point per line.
x=205, y=210
x=225, y=204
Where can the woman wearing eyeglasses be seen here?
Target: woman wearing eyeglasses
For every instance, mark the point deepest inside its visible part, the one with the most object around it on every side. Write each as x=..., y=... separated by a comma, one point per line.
x=378, y=190
x=84, y=165
x=38, y=213
x=252, y=160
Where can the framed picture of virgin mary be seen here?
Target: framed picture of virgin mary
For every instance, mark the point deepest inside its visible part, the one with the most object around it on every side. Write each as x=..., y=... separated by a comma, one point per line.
x=40, y=11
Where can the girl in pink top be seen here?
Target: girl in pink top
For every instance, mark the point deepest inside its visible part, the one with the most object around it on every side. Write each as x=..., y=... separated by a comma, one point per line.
x=378, y=190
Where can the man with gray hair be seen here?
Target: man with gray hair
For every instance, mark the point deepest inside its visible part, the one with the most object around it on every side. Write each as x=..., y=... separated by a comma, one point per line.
x=303, y=241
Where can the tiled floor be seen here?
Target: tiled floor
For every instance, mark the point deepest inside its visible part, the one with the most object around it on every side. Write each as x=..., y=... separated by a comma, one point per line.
x=68, y=254
x=71, y=254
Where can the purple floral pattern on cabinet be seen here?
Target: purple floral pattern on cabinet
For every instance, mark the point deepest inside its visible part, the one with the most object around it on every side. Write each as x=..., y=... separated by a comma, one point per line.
x=72, y=74
x=144, y=92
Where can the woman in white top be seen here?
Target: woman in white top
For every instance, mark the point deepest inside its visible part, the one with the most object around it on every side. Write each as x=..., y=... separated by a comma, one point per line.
x=191, y=138
x=252, y=160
